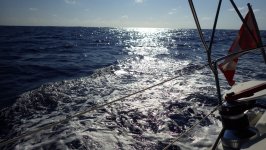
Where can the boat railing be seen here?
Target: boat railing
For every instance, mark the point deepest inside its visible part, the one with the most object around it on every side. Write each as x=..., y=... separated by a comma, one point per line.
x=232, y=56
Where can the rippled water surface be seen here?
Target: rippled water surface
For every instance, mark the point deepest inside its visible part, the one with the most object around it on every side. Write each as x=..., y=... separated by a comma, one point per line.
x=51, y=73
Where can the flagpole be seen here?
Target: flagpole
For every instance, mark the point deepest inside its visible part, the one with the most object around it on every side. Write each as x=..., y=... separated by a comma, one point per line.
x=243, y=20
x=258, y=32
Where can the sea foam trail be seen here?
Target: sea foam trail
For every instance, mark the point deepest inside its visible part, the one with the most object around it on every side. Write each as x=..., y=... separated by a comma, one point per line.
x=147, y=120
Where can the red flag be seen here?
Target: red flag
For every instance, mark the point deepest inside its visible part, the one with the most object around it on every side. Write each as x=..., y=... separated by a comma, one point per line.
x=243, y=41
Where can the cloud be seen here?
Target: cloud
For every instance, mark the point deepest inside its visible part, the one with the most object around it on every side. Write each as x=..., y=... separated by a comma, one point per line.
x=239, y=8
x=124, y=17
x=71, y=1
x=33, y=9
x=139, y=1
x=173, y=11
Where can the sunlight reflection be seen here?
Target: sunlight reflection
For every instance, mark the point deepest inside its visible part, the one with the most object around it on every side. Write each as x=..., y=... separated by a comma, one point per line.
x=147, y=30
x=148, y=41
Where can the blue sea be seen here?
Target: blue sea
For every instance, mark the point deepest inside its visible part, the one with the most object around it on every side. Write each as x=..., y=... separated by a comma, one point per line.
x=51, y=73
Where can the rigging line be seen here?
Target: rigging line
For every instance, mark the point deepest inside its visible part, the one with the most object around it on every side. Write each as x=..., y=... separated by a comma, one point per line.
x=214, y=146
x=237, y=54
x=193, y=10
x=208, y=49
x=3, y=143
x=198, y=24
x=214, y=26
x=184, y=133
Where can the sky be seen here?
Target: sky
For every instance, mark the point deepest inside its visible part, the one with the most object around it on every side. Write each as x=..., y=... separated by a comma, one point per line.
x=126, y=13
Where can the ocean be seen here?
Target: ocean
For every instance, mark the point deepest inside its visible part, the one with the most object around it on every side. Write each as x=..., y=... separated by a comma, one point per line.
x=52, y=73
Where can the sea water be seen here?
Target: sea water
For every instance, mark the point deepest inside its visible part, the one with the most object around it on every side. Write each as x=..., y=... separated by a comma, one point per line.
x=52, y=73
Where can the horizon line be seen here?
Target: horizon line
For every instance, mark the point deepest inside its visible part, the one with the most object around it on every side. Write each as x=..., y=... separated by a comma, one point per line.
x=114, y=27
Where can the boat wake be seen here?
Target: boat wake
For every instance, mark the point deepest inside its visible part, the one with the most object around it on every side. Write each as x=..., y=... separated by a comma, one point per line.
x=149, y=120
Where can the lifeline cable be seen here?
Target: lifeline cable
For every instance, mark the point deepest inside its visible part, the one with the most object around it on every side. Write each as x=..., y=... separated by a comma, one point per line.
x=3, y=143
x=184, y=133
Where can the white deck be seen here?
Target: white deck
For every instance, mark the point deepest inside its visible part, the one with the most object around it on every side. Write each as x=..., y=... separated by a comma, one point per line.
x=246, y=85
x=260, y=144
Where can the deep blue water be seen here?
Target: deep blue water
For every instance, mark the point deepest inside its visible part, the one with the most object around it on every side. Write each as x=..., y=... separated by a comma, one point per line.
x=31, y=56
x=47, y=73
